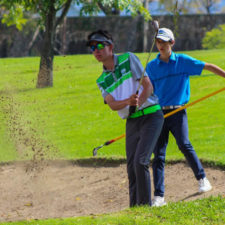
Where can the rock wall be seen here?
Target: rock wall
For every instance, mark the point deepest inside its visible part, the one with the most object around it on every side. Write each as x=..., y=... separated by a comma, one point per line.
x=128, y=34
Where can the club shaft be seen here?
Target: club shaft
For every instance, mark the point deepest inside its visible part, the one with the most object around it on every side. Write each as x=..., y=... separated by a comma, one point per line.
x=143, y=73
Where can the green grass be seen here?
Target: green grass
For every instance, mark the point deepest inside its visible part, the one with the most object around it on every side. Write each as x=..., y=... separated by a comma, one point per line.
x=206, y=212
x=71, y=116
x=70, y=119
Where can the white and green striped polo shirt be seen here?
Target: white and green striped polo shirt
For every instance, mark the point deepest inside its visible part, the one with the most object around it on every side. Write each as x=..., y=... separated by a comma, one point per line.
x=123, y=81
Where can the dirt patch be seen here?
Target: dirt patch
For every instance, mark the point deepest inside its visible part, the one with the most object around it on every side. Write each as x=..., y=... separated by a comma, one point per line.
x=65, y=189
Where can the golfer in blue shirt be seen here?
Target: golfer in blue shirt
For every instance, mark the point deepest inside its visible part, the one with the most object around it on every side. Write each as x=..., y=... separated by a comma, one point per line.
x=169, y=74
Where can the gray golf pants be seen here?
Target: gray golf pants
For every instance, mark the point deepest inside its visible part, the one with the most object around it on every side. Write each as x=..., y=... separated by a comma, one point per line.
x=141, y=136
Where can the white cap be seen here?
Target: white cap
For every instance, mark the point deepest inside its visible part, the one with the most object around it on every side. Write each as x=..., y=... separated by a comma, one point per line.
x=165, y=34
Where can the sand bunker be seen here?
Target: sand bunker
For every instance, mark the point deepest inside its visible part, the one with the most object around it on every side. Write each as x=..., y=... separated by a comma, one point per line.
x=68, y=189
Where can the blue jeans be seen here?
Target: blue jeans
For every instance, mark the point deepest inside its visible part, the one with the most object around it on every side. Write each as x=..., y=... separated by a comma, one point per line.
x=177, y=124
x=142, y=134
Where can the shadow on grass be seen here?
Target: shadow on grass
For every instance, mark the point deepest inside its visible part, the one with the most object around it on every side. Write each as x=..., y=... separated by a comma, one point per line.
x=106, y=162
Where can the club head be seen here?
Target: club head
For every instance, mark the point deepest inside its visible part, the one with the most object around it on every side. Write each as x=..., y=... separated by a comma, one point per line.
x=155, y=25
x=96, y=149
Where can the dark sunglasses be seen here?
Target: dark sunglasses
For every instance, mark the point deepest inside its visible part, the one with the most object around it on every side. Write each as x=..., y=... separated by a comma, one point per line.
x=98, y=46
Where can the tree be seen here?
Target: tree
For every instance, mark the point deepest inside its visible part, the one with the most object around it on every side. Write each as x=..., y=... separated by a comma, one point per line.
x=16, y=11
x=214, y=39
x=106, y=9
x=206, y=6
x=145, y=36
x=191, y=6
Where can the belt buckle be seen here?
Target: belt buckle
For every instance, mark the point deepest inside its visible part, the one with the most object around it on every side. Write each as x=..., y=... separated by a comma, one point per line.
x=170, y=107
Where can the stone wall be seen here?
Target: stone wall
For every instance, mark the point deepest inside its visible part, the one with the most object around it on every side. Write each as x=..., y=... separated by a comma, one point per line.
x=127, y=32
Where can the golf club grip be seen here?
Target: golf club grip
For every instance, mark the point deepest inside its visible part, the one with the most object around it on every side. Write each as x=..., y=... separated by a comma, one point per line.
x=132, y=108
x=109, y=142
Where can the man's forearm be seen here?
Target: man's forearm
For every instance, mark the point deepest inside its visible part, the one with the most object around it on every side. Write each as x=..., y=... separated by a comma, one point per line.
x=118, y=105
x=215, y=69
x=147, y=91
x=144, y=95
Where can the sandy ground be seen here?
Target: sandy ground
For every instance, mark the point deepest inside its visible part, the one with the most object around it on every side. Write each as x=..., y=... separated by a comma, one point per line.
x=68, y=189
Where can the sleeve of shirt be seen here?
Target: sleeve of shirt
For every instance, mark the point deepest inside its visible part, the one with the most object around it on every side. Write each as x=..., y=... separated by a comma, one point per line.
x=104, y=93
x=136, y=67
x=148, y=69
x=150, y=72
x=193, y=66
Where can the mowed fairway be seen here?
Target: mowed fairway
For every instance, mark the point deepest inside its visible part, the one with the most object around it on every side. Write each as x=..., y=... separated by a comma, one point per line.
x=68, y=120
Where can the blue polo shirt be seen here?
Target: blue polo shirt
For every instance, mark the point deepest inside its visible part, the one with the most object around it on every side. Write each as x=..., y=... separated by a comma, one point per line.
x=171, y=80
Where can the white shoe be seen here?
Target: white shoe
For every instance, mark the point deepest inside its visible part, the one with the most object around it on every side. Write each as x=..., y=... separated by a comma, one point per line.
x=158, y=201
x=204, y=185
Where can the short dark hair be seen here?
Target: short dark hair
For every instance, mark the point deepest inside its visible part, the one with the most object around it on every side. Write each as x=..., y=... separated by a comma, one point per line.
x=104, y=33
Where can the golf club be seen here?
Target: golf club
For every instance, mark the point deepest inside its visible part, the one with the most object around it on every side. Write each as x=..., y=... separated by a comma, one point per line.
x=107, y=143
x=155, y=25
x=165, y=116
